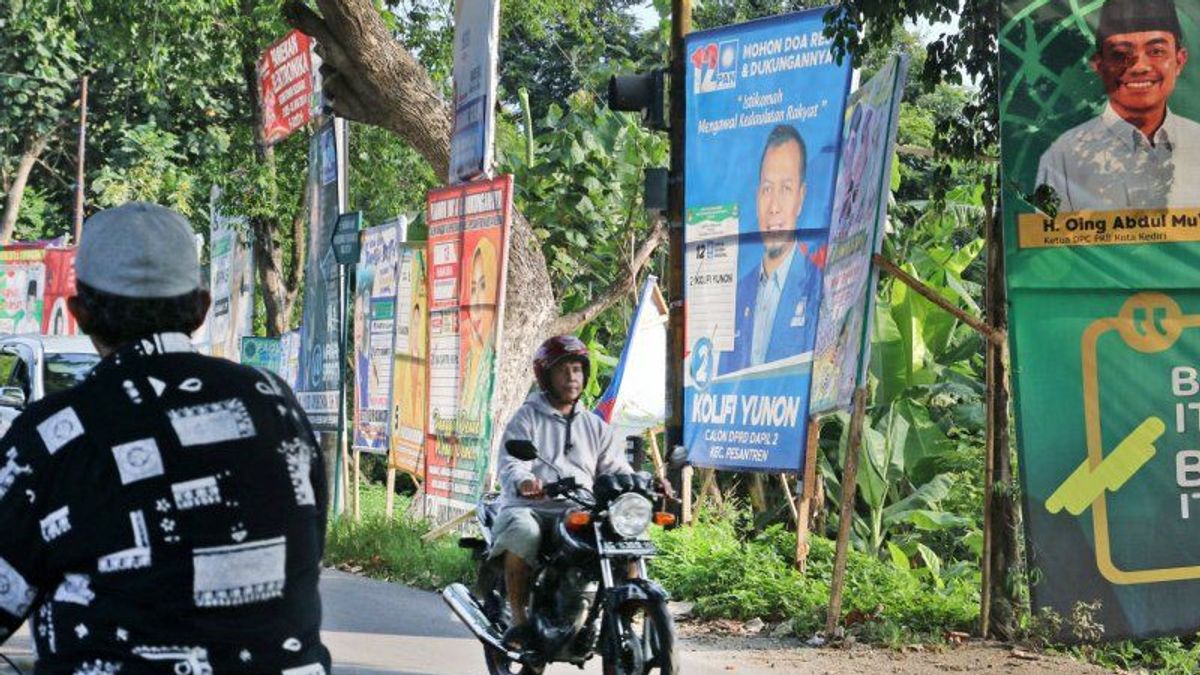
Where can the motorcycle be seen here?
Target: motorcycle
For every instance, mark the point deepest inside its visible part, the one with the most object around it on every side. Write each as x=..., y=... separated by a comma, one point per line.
x=591, y=593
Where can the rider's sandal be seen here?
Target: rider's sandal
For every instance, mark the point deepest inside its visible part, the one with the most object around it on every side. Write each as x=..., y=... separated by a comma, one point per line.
x=519, y=637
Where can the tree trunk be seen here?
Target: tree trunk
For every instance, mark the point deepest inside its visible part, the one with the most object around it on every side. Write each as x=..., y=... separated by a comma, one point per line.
x=279, y=295
x=16, y=189
x=369, y=77
x=1004, y=518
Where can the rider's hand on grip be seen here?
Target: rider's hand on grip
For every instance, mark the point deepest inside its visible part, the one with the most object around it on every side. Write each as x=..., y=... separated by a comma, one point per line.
x=531, y=488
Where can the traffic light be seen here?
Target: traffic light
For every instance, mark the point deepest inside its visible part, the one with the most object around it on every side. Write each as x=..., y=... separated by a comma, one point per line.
x=644, y=93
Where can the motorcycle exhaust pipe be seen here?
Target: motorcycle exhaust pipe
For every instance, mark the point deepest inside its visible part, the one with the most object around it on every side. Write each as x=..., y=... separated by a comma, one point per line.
x=467, y=608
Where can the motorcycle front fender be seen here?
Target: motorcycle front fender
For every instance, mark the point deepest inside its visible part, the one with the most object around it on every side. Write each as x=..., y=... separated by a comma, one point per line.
x=635, y=593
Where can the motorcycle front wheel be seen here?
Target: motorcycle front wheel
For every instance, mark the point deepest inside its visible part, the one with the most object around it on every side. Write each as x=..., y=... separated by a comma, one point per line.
x=640, y=641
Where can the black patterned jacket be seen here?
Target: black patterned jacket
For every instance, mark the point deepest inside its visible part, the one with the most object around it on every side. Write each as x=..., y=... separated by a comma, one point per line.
x=166, y=515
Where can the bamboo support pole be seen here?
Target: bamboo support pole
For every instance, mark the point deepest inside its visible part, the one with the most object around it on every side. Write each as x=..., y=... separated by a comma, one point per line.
x=849, y=484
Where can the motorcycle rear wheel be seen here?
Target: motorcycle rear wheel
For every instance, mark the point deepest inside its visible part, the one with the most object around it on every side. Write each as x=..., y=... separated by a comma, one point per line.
x=650, y=650
x=491, y=588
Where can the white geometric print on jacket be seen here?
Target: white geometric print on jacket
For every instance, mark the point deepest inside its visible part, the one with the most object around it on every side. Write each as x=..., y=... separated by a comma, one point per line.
x=191, y=494
x=138, y=460
x=10, y=471
x=212, y=422
x=240, y=574
x=56, y=524
x=76, y=589
x=59, y=429
x=15, y=593
x=299, y=454
x=184, y=660
x=133, y=558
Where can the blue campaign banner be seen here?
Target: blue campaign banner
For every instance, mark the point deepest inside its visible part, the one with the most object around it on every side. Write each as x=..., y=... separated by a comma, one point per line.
x=765, y=106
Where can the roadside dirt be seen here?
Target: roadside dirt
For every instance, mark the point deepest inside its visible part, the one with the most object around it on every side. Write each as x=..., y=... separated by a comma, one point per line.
x=723, y=649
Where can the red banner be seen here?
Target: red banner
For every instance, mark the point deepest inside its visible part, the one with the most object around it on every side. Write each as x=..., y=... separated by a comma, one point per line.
x=285, y=86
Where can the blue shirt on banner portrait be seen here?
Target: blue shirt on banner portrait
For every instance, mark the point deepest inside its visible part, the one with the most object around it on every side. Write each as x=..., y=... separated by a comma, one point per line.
x=765, y=102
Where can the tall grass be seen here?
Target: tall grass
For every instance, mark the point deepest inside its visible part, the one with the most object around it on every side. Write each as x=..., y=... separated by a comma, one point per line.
x=392, y=549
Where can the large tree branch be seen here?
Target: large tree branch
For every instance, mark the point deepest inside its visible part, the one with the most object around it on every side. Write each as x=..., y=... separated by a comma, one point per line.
x=371, y=78
x=16, y=190
x=569, y=323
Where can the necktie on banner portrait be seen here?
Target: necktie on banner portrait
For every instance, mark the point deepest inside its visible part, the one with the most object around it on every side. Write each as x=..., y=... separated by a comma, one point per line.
x=859, y=212
x=321, y=325
x=468, y=257
x=765, y=102
x=374, y=333
x=636, y=398
x=1101, y=178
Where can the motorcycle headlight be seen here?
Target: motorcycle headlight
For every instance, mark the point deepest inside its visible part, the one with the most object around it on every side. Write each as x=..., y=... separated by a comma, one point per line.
x=630, y=515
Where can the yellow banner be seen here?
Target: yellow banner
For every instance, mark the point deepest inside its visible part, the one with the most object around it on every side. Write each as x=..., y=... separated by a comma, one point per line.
x=1109, y=228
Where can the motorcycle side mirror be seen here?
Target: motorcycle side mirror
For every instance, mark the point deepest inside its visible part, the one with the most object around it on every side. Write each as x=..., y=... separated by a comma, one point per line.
x=522, y=450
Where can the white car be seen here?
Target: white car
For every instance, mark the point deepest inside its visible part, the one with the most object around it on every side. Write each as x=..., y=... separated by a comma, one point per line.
x=34, y=366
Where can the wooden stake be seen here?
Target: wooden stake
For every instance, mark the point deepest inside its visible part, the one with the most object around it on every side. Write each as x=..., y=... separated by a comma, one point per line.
x=688, y=473
x=849, y=488
x=660, y=469
x=390, y=500
x=985, y=565
x=808, y=489
x=758, y=493
x=992, y=335
x=448, y=526
x=357, y=483
x=80, y=159
x=791, y=499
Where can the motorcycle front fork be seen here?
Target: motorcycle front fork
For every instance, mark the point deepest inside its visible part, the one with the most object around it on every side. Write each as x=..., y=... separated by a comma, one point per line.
x=637, y=570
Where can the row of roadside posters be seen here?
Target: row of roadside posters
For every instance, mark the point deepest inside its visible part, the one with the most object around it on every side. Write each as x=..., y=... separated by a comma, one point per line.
x=786, y=195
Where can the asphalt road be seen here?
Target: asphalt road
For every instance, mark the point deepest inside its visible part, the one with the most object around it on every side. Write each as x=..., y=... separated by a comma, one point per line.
x=376, y=628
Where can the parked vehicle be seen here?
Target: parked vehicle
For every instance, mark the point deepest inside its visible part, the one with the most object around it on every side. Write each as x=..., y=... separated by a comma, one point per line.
x=35, y=366
x=591, y=595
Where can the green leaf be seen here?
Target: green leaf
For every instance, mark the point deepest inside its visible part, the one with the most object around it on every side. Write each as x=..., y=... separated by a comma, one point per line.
x=899, y=559
x=932, y=562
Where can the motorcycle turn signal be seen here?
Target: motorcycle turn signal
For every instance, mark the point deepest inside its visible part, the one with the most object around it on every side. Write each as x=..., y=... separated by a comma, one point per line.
x=578, y=521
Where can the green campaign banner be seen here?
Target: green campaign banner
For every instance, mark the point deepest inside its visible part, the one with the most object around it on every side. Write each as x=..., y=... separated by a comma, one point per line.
x=1101, y=179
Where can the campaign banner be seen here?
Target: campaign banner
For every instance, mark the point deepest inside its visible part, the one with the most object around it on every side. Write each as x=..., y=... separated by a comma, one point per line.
x=468, y=254
x=60, y=285
x=636, y=398
x=231, y=283
x=24, y=281
x=476, y=52
x=374, y=333
x=321, y=325
x=285, y=86
x=860, y=205
x=1101, y=176
x=263, y=352
x=765, y=103
x=289, y=348
x=409, y=392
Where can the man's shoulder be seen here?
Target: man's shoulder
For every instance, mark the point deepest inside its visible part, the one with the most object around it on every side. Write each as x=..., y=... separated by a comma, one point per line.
x=1188, y=127
x=1091, y=131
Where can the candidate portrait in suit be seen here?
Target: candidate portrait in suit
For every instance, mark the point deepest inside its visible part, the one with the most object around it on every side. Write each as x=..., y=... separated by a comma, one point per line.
x=778, y=298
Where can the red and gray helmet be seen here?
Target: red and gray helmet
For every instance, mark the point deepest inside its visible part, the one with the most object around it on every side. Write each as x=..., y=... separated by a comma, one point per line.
x=556, y=350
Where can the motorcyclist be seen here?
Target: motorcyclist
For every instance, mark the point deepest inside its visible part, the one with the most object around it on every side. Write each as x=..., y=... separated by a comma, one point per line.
x=570, y=438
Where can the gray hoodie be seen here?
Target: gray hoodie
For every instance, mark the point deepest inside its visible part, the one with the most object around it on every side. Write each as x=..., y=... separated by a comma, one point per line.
x=593, y=452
